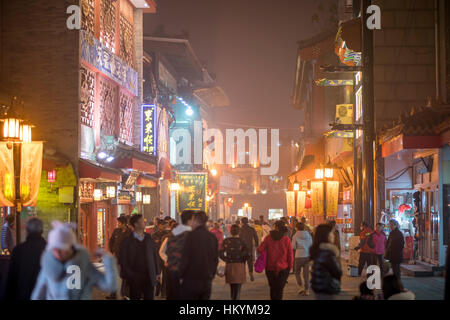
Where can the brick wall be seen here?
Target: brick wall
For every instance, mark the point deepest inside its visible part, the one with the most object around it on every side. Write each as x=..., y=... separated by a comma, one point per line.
x=404, y=70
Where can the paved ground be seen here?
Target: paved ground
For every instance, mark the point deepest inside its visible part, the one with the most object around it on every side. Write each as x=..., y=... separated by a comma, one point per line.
x=428, y=288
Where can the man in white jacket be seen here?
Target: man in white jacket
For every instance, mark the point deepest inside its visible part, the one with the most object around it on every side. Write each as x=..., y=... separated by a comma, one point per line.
x=301, y=242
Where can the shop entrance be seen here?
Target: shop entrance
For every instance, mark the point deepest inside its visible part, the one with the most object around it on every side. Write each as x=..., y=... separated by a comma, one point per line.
x=85, y=209
x=429, y=242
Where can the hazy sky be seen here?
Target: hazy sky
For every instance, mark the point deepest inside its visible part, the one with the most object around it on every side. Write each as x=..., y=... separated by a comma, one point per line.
x=251, y=47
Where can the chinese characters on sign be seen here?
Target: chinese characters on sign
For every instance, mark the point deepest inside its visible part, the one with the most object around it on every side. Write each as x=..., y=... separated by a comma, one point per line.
x=192, y=193
x=148, y=128
x=317, y=198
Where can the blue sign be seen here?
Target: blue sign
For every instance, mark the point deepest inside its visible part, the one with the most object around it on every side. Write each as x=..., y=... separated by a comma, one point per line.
x=100, y=57
x=148, y=129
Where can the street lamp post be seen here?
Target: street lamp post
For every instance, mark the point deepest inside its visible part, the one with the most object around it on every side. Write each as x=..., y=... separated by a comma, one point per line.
x=15, y=132
x=324, y=173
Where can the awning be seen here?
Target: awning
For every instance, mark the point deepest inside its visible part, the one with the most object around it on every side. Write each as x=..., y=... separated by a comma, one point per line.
x=403, y=142
x=90, y=170
x=135, y=164
x=146, y=182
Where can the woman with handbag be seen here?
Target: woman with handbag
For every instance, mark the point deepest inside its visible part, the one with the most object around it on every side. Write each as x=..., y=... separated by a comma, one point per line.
x=235, y=254
x=280, y=259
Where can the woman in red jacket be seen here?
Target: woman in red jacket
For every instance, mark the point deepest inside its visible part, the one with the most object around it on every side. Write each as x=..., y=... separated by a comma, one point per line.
x=280, y=259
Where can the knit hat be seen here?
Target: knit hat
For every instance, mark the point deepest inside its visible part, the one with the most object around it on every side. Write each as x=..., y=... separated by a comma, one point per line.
x=62, y=236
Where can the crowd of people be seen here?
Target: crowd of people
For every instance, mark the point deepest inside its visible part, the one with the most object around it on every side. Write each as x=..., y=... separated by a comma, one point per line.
x=180, y=260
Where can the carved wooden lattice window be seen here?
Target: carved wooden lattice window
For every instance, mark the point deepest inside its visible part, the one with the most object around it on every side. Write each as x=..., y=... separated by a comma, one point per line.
x=88, y=15
x=87, y=97
x=108, y=100
x=126, y=118
x=108, y=24
x=126, y=41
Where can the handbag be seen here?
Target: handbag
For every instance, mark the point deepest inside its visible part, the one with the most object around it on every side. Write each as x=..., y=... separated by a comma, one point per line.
x=261, y=262
x=221, y=269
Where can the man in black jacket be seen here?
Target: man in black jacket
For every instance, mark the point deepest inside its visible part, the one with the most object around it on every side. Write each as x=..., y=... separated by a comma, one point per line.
x=25, y=263
x=139, y=261
x=249, y=236
x=199, y=260
x=394, y=247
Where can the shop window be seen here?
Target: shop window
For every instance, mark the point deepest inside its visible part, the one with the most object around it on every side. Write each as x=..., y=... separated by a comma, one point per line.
x=126, y=118
x=87, y=97
x=108, y=100
x=126, y=41
x=88, y=16
x=108, y=24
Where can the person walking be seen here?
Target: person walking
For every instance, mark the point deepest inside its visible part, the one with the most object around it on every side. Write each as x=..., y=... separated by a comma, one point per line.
x=280, y=259
x=326, y=269
x=379, y=240
x=235, y=253
x=171, y=224
x=250, y=238
x=337, y=236
x=171, y=251
x=199, y=260
x=307, y=226
x=301, y=242
x=366, y=253
x=7, y=237
x=394, y=247
x=67, y=272
x=25, y=260
x=139, y=261
x=119, y=234
x=218, y=233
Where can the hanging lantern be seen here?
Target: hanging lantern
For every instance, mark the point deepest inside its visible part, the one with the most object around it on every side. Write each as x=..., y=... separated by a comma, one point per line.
x=11, y=129
x=146, y=199
x=138, y=196
x=25, y=133
x=51, y=176
x=98, y=194
x=110, y=192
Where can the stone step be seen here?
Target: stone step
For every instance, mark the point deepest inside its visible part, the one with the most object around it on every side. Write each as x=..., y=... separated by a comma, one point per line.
x=432, y=267
x=415, y=270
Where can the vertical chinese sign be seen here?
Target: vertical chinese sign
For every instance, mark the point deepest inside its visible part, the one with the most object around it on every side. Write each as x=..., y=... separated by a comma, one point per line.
x=301, y=199
x=317, y=198
x=30, y=172
x=7, y=188
x=192, y=192
x=148, y=129
x=290, y=199
x=332, y=197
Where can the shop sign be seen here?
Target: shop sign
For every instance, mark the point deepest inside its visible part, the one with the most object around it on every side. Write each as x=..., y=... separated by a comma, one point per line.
x=317, y=198
x=7, y=188
x=101, y=58
x=148, y=129
x=30, y=172
x=332, y=197
x=290, y=201
x=192, y=192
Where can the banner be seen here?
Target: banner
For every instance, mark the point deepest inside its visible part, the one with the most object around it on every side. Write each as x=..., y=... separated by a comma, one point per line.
x=192, y=192
x=7, y=186
x=290, y=203
x=317, y=198
x=301, y=198
x=332, y=197
x=30, y=172
x=148, y=129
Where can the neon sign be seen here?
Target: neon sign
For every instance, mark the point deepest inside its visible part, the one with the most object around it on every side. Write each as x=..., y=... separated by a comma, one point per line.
x=148, y=129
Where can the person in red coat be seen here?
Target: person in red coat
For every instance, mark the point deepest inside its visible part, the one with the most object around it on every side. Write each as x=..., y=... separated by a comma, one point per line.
x=218, y=233
x=280, y=259
x=366, y=252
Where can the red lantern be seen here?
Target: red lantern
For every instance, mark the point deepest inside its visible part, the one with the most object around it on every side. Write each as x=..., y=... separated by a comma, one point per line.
x=51, y=176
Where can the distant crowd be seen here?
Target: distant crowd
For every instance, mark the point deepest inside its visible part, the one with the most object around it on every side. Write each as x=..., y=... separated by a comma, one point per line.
x=179, y=260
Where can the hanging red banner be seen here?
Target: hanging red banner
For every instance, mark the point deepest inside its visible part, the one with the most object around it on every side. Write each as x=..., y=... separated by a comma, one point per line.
x=30, y=172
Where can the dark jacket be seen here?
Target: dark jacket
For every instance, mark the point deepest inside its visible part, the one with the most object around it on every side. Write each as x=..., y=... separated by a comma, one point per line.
x=326, y=270
x=7, y=238
x=116, y=239
x=394, y=246
x=200, y=255
x=128, y=252
x=174, y=251
x=248, y=235
x=234, y=250
x=24, y=268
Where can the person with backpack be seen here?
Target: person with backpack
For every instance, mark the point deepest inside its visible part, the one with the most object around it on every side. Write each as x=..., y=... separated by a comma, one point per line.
x=235, y=253
x=365, y=247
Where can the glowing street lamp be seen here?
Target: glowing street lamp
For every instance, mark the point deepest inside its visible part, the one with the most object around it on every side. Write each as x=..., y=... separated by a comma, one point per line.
x=214, y=172
x=174, y=186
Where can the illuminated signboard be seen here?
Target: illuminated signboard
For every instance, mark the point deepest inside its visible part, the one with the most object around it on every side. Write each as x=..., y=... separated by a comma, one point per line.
x=192, y=193
x=148, y=129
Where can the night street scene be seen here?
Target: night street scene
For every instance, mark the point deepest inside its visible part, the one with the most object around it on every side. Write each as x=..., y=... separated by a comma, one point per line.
x=224, y=151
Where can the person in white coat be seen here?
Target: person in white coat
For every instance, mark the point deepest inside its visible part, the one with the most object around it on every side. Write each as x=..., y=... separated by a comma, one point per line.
x=301, y=242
